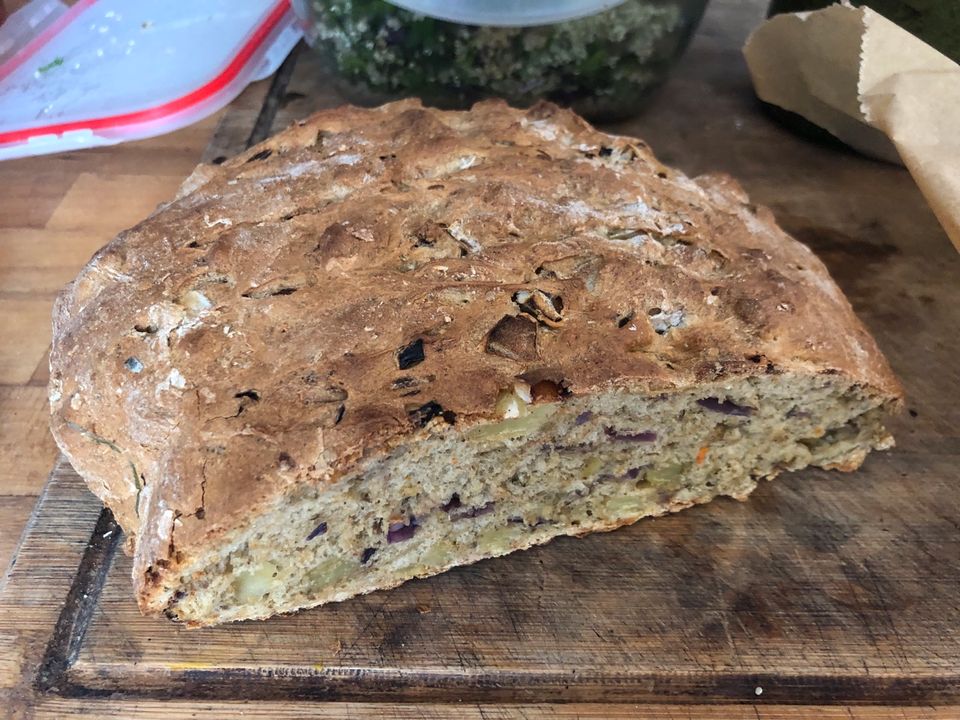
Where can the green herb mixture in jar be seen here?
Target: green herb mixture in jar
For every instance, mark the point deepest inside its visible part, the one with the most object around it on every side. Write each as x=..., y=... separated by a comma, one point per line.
x=602, y=64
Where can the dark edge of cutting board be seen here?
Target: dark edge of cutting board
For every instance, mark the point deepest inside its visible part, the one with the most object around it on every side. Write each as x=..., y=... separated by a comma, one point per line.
x=66, y=499
x=71, y=627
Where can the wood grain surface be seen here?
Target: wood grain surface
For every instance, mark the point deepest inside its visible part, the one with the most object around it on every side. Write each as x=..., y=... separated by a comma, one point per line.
x=57, y=708
x=822, y=589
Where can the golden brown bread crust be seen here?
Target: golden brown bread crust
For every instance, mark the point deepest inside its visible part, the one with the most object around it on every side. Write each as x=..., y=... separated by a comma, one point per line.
x=248, y=335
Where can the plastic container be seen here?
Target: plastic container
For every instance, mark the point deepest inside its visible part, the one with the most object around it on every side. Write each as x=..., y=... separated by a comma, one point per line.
x=601, y=58
x=104, y=71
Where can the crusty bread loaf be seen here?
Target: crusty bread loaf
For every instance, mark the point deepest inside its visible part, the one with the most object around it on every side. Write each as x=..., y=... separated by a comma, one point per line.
x=387, y=342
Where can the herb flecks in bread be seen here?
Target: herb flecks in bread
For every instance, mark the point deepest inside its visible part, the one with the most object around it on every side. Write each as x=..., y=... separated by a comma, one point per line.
x=387, y=342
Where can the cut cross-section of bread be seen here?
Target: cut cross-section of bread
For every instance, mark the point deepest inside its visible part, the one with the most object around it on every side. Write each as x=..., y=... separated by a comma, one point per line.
x=387, y=342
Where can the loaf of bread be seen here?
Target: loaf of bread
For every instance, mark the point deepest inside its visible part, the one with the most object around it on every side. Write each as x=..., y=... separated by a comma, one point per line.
x=387, y=342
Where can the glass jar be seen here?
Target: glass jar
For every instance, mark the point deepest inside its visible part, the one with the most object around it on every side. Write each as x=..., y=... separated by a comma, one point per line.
x=602, y=64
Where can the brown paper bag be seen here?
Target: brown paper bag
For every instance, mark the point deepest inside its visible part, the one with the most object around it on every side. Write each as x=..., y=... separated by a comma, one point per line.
x=873, y=85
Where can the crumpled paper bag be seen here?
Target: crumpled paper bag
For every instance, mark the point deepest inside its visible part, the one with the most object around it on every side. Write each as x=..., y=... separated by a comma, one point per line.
x=873, y=85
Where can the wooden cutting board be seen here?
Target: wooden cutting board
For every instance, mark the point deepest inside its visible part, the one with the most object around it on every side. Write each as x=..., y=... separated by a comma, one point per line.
x=823, y=588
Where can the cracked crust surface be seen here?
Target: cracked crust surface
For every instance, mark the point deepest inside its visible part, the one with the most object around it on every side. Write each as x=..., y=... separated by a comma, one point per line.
x=335, y=290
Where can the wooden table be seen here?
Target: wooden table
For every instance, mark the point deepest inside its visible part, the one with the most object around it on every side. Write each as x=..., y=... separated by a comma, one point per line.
x=66, y=608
